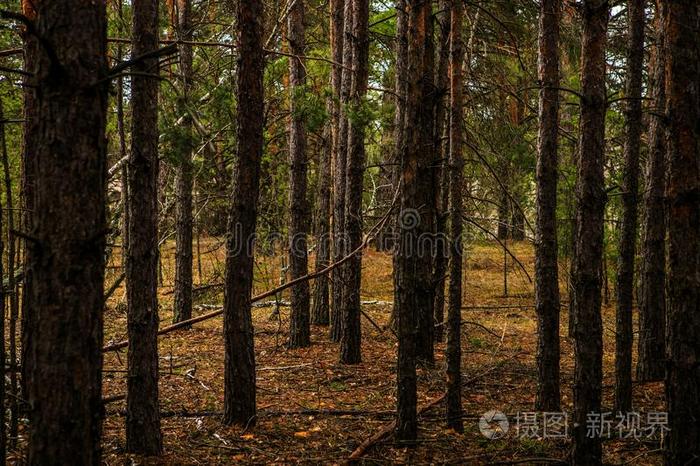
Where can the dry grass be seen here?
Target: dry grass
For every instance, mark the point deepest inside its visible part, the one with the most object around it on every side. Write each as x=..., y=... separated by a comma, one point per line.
x=299, y=390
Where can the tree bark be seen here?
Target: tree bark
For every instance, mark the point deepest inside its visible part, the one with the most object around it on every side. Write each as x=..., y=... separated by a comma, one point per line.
x=651, y=361
x=442, y=177
x=321, y=308
x=339, y=174
x=239, y=364
x=183, y=176
x=588, y=253
x=351, y=332
x=547, y=301
x=683, y=196
x=299, y=325
x=67, y=259
x=412, y=287
x=628, y=229
x=454, y=308
x=143, y=434
x=3, y=436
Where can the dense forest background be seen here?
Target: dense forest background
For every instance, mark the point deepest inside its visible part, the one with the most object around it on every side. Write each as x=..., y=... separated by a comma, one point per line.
x=548, y=151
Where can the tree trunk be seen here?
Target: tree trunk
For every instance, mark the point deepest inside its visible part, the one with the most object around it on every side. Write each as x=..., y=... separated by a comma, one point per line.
x=427, y=187
x=143, y=434
x=239, y=365
x=339, y=173
x=628, y=229
x=547, y=302
x=183, y=177
x=67, y=259
x=588, y=253
x=401, y=68
x=651, y=361
x=299, y=325
x=351, y=333
x=442, y=177
x=320, y=313
x=3, y=436
x=454, y=308
x=412, y=289
x=683, y=194
x=28, y=191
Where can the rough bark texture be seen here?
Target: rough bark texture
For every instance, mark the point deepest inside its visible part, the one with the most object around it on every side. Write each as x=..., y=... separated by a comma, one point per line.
x=351, y=336
x=183, y=182
x=401, y=68
x=628, y=228
x=320, y=313
x=299, y=325
x=547, y=302
x=142, y=412
x=411, y=292
x=67, y=261
x=339, y=175
x=28, y=176
x=651, y=361
x=454, y=308
x=239, y=364
x=588, y=252
x=427, y=189
x=442, y=178
x=3, y=437
x=683, y=195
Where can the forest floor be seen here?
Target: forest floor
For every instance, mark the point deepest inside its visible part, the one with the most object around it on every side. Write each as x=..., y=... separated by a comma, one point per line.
x=314, y=410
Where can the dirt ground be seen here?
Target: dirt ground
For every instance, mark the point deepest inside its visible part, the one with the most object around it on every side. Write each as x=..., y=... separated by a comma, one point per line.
x=314, y=410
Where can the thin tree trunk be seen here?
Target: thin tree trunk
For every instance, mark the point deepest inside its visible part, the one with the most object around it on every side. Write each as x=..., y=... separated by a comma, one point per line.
x=401, y=68
x=239, y=365
x=547, y=300
x=588, y=254
x=454, y=308
x=143, y=434
x=320, y=312
x=351, y=332
x=411, y=289
x=28, y=191
x=67, y=259
x=628, y=229
x=299, y=325
x=182, y=309
x=651, y=361
x=683, y=196
x=339, y=174
x=3, y=435
x=442, y=177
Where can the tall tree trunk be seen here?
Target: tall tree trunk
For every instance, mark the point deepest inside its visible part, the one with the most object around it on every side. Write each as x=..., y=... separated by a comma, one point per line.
x=351, y=334
x=454, y=308
x=239, y=365
x=628, y=229
x=442, y=177
x=588, y=253
x=143, y=434
x=28, y=191
x=683, y=199
x=3, y=436
x=183, y=175
x=67, y=265
x=412, y=288
x=651, y=361
x=320, y=313
x=427, y=188
x=547, y=302
x=401, y=85
x=299, y=326
x=339, y=174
